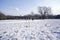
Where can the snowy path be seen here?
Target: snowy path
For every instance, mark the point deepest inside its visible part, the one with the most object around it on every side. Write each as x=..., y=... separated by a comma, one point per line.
x=30, y=30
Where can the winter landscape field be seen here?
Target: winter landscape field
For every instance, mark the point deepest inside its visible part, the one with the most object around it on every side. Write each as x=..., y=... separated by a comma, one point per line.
x=47, y=29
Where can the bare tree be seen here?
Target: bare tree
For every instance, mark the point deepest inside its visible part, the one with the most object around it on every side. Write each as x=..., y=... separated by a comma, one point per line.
x=32, y=13
x=2, y=16
x=44, y=11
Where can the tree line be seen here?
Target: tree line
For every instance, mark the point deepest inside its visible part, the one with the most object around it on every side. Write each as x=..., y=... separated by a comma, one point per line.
x=44, y=13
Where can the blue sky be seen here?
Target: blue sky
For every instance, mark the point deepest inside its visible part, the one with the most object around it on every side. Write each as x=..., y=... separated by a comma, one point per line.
x=22, y=7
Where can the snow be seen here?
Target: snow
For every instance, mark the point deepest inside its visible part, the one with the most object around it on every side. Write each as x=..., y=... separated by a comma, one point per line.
x=48, y=29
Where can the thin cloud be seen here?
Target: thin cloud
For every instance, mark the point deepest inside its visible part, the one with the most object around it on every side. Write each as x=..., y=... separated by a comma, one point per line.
x=17, y=9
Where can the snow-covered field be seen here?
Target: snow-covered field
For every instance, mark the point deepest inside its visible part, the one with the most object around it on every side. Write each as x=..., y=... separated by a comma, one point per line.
x=48, y=29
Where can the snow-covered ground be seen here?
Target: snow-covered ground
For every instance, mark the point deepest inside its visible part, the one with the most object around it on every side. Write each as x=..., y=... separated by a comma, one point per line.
x=48, y=29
